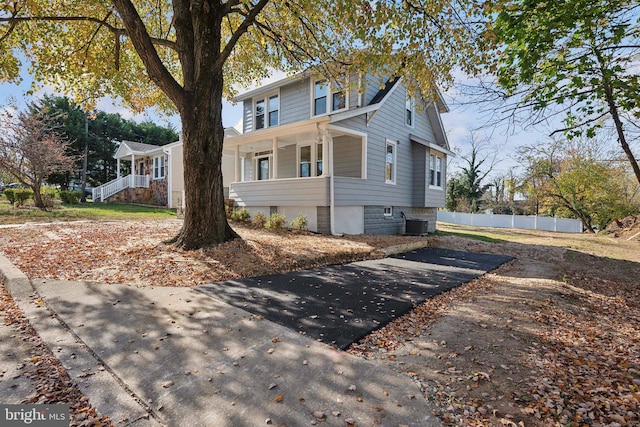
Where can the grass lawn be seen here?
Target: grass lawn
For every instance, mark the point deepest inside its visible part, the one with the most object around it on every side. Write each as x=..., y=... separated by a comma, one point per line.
x=86, y=211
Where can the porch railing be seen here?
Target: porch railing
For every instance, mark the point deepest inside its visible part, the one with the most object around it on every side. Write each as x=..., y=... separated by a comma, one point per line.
x=107, y=190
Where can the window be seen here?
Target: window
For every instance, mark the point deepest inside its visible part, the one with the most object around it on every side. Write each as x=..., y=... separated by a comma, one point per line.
x=274, y=106
x=309, y=160
x=432, y=169
x=328, y=97
x=318, y=159
x=267, y=112
x=435, y=171
x=390, y=163
x=158, y=167
x=260, y=114
x=388, y=211
x=338, y=98
x=409, y=111
x=320, y=97
x=305, y=161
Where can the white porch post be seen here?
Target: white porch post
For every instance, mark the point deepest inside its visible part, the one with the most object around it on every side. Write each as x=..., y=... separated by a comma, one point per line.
x=237, y=168
x=118, y=169
x=274, y=174
x=132, y=184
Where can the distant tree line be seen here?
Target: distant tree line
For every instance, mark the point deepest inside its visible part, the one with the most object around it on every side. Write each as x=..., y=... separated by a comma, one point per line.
x=99, y=132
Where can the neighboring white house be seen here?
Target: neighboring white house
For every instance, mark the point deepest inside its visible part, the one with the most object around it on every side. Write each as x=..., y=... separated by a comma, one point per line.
x=350, y=161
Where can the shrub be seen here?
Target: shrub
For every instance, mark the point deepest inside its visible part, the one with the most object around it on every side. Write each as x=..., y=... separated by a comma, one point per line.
x=70, y=197
x=18, y=195
x=275, y=222
x=259, y=220
x=49, y=196
x=299, y=222
x=241, y=215
x=10, y=194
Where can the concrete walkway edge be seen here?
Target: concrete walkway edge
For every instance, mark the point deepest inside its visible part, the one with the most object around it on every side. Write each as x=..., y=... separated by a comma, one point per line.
x=105, y=390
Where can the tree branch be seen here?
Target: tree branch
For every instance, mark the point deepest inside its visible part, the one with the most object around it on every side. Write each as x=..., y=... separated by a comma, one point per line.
x=143, y=44
x=242, y=28
x=117, y=31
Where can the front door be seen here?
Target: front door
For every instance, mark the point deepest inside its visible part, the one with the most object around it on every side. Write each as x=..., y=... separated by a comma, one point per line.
x=263, y=168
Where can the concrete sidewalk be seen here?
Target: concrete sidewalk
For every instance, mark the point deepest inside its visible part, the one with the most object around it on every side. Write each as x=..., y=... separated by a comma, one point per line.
x=175, y=356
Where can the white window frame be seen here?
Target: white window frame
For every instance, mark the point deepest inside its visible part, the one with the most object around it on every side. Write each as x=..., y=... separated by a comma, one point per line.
x=394, y=164
x=255, y=165
x=412, y=108
x=434, y=167
x=159, y=170
x=266, y=98
x=331, y=90
x=141, y=167
x=387, y=211
x=313, y=166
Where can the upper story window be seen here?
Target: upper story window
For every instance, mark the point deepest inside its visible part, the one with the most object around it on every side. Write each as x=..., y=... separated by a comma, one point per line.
x=328, y=97
x=409, y=111
x=158, y=167
x=274, y=110
x=390, y=163
x=435, y=171
x=260, y=114
x=267, y=111
x=320, y=97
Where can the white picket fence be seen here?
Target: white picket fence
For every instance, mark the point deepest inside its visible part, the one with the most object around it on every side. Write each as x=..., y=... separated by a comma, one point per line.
x=563, y=225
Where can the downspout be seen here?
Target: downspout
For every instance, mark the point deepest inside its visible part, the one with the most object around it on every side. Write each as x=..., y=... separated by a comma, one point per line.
x=326, y=136
x=169, y=177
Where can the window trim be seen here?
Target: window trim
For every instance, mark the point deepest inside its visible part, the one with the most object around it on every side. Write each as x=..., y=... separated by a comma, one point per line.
x=256, y=163
x=435, y=157
x=313, y=164
x=384, y=211
x=266, y=98
x=394, y=164
x=159, y=171
x=331, y=90
x=412, y=103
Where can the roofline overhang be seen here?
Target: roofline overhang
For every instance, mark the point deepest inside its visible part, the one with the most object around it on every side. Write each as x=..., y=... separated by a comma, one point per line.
x=431, y=145
x=276, y=131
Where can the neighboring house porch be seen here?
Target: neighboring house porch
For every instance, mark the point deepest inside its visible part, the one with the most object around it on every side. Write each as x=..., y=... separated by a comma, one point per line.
x=147, y=180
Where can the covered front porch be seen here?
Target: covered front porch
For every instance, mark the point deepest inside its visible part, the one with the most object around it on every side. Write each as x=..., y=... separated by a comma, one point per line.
x=292, y=165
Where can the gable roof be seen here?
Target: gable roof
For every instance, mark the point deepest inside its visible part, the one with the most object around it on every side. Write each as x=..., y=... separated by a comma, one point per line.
x=128, y=148
x=386, y=89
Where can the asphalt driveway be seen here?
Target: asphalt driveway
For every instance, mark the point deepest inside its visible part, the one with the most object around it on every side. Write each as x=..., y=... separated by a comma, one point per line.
x=340, y=304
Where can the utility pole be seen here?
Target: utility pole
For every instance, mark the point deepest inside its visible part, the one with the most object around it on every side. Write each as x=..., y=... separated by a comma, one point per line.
x=83, y=184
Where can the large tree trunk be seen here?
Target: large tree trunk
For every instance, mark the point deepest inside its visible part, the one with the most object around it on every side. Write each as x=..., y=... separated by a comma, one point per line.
x=205, y=223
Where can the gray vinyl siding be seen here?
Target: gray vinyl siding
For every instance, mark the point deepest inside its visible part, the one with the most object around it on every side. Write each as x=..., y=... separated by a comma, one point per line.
x=372, y=86
x=419, y=154
x=282, y=192
x=247, y=122
x=347, y=153
x=287, y=162
x=435, y=197
x=295, y=102
x=409, y=189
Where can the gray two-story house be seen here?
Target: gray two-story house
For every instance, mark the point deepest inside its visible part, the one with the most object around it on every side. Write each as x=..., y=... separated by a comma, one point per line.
x=352, y=161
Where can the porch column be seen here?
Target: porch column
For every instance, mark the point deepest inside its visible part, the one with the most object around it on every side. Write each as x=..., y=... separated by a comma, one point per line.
x=118, y=169
x=133, y=171
x=274, y=174
x=237, y=168
x=325, y=155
